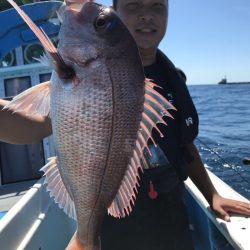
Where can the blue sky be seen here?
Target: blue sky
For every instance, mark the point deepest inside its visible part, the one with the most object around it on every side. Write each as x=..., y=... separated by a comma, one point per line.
x=208, y=39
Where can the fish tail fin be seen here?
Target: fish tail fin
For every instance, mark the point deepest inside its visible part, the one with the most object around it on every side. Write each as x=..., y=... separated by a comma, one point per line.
x=76, y=244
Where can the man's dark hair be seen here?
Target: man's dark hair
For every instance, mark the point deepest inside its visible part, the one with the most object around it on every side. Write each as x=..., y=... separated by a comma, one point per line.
x=115, y=4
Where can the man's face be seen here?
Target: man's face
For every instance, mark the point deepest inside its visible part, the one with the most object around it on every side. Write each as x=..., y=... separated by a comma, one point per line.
x=145, y=19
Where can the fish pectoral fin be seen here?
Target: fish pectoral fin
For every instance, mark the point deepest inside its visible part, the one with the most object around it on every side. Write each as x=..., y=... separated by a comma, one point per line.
x=40, y=34
x=56, y=187
x=33, y=101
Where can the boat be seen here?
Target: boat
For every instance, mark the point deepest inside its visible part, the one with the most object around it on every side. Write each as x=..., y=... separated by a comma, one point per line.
x=31, y=220
x=224, y=81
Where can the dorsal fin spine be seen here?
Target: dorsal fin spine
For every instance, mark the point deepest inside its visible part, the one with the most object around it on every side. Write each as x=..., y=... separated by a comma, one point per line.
x=137, y=159
x=157, y=103
x=154, y=112
x=156, y=95
x=144, y=143
x=152, y=124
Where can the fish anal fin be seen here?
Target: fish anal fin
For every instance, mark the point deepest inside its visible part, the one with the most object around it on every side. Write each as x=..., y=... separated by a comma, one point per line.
x=56, y=187
x=33, y=101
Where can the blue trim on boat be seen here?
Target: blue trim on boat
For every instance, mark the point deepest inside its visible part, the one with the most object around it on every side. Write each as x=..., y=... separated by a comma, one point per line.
x=14, y=31
x=2, y=214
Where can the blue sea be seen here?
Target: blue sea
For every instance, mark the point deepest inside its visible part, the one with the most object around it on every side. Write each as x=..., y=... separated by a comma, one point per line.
x=224, y=131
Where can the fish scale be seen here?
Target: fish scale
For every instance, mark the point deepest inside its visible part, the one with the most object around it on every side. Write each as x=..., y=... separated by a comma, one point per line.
x=84, y=149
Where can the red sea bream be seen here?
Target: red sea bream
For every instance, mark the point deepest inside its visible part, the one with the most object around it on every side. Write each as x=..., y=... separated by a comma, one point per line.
x=102, y=112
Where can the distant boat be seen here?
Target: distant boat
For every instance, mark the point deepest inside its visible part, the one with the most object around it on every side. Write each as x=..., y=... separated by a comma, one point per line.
x=224, y=81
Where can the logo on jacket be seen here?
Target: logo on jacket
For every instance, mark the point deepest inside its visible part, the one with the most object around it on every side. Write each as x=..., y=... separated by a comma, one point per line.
x=189, y=121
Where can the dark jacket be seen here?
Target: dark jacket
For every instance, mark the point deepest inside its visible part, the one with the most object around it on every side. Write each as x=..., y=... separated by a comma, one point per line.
x=184, y=129
x=187, y=113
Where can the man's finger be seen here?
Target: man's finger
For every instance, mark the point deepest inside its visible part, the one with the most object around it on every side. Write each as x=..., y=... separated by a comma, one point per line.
x=239, y=210
x=223, y=214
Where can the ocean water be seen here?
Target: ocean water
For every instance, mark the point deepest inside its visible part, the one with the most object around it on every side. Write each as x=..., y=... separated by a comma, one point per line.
x=224, y=131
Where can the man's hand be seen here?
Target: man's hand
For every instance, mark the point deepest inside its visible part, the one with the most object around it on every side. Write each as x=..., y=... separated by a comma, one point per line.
x=223, y=206
x=220, y=205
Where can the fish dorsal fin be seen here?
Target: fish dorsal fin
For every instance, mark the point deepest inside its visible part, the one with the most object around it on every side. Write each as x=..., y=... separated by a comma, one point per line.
x=155, y=107
x=40, y=34
x=33, y=101
x=57, y=189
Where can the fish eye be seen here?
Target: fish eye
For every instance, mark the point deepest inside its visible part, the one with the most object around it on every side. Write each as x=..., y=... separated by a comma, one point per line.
x=101, y=22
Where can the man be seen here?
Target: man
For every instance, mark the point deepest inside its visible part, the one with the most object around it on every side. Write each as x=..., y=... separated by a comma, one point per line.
x=159, y=200
x=159, y=219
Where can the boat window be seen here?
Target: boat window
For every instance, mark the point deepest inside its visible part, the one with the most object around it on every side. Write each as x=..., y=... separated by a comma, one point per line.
x=32, y=52
x=14, y=86
x=9, y=60
x=45, y=77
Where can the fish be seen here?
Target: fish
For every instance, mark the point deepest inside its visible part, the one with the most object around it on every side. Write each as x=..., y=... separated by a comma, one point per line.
x=102, y=110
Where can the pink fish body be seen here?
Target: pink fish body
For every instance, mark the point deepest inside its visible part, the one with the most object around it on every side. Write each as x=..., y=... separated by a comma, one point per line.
x=102, y=118
x=95, y=122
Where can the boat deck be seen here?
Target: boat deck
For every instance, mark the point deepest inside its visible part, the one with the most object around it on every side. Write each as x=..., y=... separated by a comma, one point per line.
x=10, y=194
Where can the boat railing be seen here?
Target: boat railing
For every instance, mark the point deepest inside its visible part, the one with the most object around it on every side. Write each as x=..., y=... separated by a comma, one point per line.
x=209, y=230
x=35, y=222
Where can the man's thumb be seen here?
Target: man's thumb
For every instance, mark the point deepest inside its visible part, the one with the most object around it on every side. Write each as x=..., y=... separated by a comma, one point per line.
x=224, y=215
x=227, y=218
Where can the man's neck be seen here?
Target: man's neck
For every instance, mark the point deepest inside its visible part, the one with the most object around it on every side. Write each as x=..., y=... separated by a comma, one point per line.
x=148, y=57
